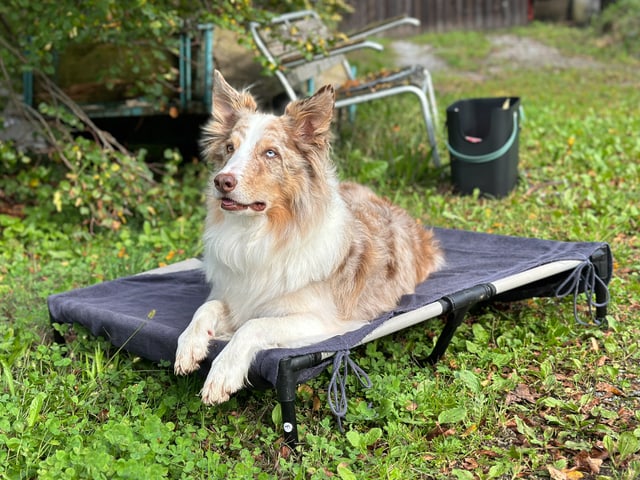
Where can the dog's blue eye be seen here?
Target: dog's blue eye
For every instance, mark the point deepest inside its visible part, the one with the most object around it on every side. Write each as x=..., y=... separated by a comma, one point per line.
x=271, y=153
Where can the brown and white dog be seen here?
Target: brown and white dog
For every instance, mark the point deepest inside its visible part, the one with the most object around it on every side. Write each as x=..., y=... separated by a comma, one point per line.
x=292, y=255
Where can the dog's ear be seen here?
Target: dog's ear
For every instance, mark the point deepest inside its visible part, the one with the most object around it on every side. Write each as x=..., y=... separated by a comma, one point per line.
x=228, y=102
x=312, y=116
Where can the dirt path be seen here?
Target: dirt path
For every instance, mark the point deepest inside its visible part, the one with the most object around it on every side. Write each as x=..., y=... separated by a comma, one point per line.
x=517, y=51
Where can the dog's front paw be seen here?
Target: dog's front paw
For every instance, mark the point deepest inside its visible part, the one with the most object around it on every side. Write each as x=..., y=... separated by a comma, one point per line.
x=224, y=379
x=193, y=343
x=189, y=355
x=213, y=394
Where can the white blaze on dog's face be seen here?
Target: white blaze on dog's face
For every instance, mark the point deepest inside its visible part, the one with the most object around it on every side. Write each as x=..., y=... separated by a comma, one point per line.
x=251, y=152
x=265, y=164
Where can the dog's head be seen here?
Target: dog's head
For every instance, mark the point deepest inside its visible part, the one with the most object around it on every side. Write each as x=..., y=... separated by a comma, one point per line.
x=266, y=164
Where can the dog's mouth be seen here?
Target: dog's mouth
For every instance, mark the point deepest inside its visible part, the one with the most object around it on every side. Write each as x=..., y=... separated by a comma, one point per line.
x=233, y=206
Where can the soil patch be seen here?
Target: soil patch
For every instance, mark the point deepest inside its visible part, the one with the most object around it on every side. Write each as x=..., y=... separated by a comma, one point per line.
x=525, y=52
x=508, y=50
x=408, y=53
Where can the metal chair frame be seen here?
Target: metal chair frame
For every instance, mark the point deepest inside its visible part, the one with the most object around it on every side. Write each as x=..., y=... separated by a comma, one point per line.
x=292, y=68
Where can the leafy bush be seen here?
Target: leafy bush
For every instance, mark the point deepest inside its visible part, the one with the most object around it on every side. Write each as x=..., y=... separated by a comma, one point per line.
x=95, y=186
x=99, y=180
x=35, y=32
x=620, y=21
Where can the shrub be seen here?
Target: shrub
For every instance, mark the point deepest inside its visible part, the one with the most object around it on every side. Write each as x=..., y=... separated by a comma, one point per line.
x=99, y=180
x=620, y=22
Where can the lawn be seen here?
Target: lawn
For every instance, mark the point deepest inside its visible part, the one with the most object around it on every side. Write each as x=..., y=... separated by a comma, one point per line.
x=523, y=391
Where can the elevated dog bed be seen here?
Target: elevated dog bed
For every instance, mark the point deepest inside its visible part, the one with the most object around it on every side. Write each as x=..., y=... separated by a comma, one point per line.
x=145, y=314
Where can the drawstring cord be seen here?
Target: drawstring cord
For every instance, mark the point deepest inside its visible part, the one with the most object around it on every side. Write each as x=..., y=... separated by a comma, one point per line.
x=585, y=273
x=342, y=362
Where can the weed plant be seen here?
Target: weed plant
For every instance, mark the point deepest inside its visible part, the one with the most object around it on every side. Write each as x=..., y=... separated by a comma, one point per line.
x=523, y=391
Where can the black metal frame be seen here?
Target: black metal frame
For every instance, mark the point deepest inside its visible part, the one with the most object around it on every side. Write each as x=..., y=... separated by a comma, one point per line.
x=455, y=307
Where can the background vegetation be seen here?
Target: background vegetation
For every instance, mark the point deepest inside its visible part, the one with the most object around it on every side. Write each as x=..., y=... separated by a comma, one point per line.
x=141, y=38
x=523, y=392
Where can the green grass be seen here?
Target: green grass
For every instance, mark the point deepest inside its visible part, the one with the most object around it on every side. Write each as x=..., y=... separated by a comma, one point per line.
x=523, y=391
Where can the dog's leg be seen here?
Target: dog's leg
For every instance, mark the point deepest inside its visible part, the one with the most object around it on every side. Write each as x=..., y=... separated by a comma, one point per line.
x=230, y=368
x=193, y=343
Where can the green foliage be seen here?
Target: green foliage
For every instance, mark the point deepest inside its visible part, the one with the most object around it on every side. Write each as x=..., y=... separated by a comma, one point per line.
x=98, y=187
x=620, y=24
x=40, y=30
x=101, y=185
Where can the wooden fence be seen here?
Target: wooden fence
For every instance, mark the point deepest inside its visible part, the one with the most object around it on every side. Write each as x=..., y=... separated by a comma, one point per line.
x=439, y=15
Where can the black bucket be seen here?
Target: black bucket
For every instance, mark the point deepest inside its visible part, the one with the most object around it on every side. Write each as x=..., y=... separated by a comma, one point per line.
x=483, y=144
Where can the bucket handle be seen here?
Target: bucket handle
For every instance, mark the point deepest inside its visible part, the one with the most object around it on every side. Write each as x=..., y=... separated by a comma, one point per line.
x=488, y=157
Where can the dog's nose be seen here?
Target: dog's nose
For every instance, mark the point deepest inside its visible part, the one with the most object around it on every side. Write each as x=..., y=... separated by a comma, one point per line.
x=225, y=182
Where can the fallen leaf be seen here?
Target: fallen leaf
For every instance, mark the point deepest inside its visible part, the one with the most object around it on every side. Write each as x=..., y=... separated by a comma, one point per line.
x=317, y=404
x=470, y=464
x=522, y=393
x=438, y=431
x=587, y=463
x=510, y=424
x=608, y=388
x=556, y=474
x=285, y=451
x=488, y=453
x=564, y=474
x=573, y=474
x=304, y=388
x=599, y=451
x=626, y=415
x=411, y=406
x=470, y=430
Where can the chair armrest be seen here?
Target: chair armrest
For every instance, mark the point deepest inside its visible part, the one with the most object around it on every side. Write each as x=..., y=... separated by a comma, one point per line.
x=294, y=60
x=376, y=28
x=293, y=16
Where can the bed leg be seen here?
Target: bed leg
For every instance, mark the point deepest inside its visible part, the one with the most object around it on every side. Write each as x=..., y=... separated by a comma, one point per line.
x=57, y=336
x=286, y=384
x=454, y=319
x=601, y=298
x=286, y=391
x=458, y=306
x=603, y=263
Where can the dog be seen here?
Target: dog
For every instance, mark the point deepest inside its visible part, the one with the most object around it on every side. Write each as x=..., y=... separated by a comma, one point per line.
x=293, y=256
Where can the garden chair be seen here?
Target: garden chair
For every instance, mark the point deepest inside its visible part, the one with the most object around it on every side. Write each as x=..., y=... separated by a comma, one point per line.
x=280, y=41
x=145, y=314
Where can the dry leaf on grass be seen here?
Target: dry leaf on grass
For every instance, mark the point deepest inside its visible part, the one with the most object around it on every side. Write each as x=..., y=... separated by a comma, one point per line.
x=438, y=431
x=521, y=394
x=587, y=463
x=608, y=388
x=564, y=474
